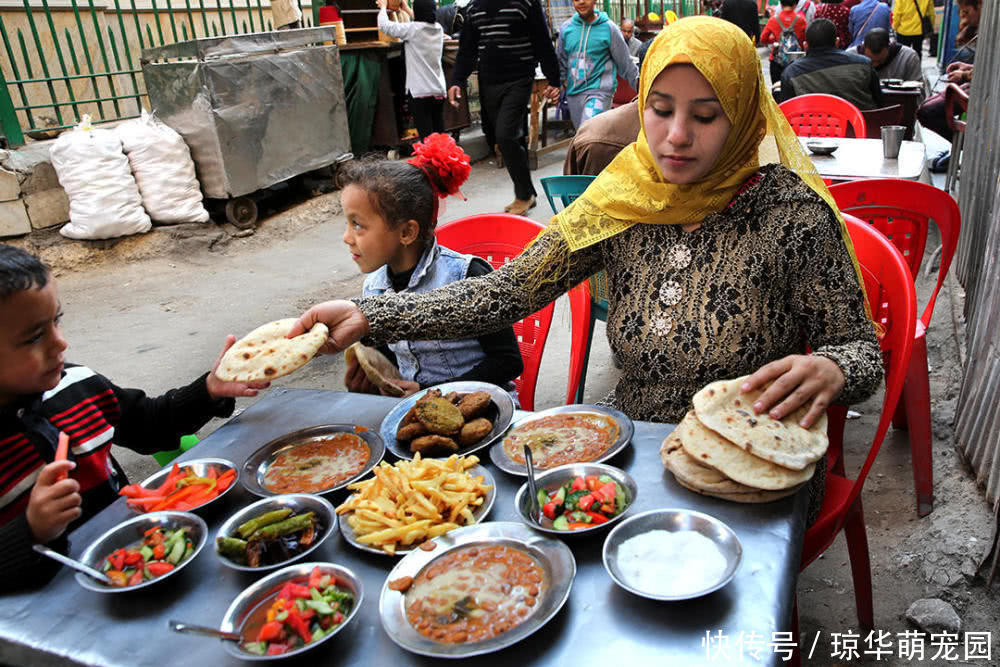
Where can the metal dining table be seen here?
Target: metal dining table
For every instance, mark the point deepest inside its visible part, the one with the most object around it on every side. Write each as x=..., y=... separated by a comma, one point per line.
x=862, y=158
x=61, y=623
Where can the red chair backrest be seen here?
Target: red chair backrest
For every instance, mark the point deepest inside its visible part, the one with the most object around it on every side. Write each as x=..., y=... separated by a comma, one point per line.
x=901, y=210
x=890, y=291
x=499, y=238
x=821, y=115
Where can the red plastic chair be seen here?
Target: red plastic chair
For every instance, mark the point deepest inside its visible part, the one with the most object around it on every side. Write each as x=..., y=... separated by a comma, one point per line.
x=821, y=115
x=498, y=238
x=890, y=290
x=901, y=210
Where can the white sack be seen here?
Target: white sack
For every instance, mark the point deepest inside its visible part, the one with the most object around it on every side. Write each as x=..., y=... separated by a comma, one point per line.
x=104, y=200
x=163, y=169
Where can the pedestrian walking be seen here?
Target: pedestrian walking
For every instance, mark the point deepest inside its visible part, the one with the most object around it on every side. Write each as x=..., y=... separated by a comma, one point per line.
x=504, y=40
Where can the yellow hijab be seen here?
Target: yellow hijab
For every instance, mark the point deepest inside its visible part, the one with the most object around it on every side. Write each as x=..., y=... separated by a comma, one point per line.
x=632, y=190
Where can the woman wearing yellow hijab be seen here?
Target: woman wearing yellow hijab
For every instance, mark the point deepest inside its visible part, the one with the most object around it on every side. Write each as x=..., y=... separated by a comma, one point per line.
x=717, y=267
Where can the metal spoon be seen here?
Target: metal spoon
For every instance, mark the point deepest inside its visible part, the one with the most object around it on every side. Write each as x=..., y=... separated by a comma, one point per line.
x=187, y=628
x=75, y=564
x=531, y=485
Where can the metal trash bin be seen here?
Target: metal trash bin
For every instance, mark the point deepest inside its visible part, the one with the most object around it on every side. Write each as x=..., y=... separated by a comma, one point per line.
x=255, y=109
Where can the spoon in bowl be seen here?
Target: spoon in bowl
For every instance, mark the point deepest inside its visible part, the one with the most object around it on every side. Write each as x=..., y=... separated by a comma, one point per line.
x=187, y=628
x=532, y=487
x=75, y=564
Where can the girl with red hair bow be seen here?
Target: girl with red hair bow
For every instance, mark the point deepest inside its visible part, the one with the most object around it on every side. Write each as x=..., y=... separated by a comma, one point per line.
x=392, y=209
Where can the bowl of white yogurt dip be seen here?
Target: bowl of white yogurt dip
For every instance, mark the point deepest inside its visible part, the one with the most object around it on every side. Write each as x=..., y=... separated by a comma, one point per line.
x=672, y=554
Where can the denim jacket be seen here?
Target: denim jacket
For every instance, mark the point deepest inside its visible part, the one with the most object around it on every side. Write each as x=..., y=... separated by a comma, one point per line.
x=430, y=362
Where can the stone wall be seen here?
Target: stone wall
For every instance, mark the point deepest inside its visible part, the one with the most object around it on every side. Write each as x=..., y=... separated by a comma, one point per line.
x=30, y=195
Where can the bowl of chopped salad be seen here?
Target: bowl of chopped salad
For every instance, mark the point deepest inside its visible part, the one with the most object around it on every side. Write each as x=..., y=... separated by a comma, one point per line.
x=144, y=551
x=183, y=487
x=292, y=611
x=577, y=498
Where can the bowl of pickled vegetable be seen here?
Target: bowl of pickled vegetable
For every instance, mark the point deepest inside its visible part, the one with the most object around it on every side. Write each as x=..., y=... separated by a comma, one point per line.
x=292, y=610
x=144, y=551
x=577, y=498
x=189, y=486
x=274, y=532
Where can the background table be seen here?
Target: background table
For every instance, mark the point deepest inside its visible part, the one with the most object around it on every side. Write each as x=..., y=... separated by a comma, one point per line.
x=862, y=158
x=62, y=623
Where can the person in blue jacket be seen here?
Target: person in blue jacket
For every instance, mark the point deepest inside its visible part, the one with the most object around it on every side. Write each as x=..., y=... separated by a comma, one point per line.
x=592, y=54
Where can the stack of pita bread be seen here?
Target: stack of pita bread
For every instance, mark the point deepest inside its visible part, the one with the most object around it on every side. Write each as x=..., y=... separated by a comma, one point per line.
x=722, y=449
x=376, y=366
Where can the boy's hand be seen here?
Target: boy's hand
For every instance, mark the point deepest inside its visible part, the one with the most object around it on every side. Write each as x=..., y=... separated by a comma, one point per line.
x=53, y=503
x=355, y=380
x=409, y=388
x=218, y=388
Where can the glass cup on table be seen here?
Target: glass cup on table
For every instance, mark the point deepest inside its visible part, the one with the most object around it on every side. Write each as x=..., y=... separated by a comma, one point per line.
x=892, y=140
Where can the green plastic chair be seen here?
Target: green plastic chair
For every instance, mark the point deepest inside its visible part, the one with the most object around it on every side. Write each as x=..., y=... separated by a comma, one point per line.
x=165, y=457
x=567, y=189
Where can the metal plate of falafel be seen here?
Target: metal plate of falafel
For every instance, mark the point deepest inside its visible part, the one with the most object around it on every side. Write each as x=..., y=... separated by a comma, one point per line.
x=451, y=418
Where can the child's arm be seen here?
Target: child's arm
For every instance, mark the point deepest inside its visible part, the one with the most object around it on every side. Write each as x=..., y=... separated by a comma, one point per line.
x=150, y=425
x=52, y=506
x=398, y=30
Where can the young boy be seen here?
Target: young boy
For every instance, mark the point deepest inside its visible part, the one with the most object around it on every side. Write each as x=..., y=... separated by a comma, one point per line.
x=41, y=396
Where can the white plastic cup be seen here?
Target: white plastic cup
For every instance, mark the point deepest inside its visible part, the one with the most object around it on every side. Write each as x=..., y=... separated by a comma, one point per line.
x=892, y=140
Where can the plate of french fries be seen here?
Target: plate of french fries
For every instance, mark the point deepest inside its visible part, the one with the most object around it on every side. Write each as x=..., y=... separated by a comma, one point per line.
x=406, y=504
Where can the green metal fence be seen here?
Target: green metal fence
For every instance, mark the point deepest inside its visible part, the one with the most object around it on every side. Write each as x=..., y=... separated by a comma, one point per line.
x=63, y=61
x=618, y=9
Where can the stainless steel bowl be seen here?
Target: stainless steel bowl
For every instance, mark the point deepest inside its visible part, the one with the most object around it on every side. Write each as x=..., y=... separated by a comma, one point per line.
x=479, y=514
x=264, y=591
x=200, y=468
x=256, y=466
x=298, y=503
x=821, y=146
x=131, y=532
x=674, y=520
x=550, y=480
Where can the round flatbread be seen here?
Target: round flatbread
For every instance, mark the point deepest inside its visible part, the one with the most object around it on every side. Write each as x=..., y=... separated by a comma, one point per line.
x=690, y=474
x=752, y=497
x=377, y=367
x=709, y=448
x=265, y=354
x=721, y=407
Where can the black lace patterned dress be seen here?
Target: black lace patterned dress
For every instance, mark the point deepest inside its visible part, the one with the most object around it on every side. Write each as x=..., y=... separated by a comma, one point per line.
x=762, y=279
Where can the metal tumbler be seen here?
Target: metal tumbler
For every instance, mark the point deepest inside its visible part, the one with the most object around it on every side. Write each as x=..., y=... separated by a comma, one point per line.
x=892, y=140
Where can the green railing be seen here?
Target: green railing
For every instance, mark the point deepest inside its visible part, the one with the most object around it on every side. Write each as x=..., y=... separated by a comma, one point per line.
x=617, y=9
x=63, y=61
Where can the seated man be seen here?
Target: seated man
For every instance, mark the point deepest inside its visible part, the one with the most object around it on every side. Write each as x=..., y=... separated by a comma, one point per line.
x=891, y=60
x=601, y=138
x=827, y=69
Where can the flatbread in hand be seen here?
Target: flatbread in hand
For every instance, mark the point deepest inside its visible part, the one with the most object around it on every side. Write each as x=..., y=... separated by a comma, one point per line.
x=265, y=354
x=378, y=369
x=721, y=407
x=709, y=448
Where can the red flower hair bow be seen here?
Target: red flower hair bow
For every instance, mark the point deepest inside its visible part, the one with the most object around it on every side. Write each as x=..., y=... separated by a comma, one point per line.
x=444, y=163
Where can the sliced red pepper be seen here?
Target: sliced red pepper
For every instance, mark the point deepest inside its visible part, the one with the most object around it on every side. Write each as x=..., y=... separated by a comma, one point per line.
x=549, y=510
x=598, y=518
x=148, y=502
x=299, y=625
x=269, y=631
x=579, y=484
x=159, y=569
x=586, y=501
x=577, y=525
x=171, y=480
x=212, y=473
x=176, y=496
